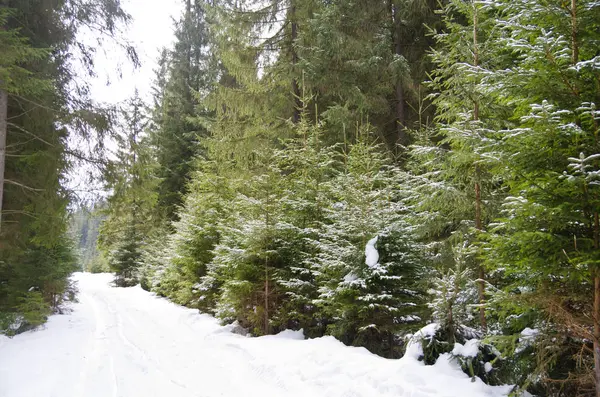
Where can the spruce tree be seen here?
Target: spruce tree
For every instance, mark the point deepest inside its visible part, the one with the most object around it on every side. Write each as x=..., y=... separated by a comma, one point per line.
x=38, y=43
x=308, y=164
x=131, y=207
x=190, y=248
x=547, y=239
x=183, y=79
x=253, y=247
x=459, y=193
x=369, y=269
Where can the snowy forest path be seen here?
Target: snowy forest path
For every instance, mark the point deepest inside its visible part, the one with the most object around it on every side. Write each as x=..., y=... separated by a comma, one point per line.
x=125, y=342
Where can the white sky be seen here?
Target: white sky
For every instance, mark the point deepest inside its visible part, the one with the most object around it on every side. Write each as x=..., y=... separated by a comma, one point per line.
x=150, y=31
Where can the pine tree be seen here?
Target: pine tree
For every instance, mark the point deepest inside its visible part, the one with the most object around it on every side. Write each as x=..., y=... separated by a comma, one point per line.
x=308, y=164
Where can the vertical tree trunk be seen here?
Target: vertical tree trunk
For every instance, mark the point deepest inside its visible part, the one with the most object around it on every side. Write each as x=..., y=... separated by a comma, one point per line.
x=574, y=31
x=400, y=94
x=481, y=275
x=298, y=105
x=475, y=56
x=266, y=296
x=267, y=238
x=478, y=215
x=3, y=133
x=188, y=55
x=596, y=314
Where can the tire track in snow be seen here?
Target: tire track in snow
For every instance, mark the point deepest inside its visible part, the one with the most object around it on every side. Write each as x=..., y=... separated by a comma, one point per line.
x=92, y=349
x=142, y=358
x=98, y=350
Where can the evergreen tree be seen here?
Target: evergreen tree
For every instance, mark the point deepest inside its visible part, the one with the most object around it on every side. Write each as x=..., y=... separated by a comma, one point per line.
x=252, y=248
x=308, y=164
x=547, y=239
x=37, y=105
x=131, y=207
x=369, y=269
x=190, y=249
x=459, y=193
x=183, y=80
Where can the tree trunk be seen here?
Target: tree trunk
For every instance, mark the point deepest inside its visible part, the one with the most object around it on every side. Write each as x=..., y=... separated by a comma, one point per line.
x=400, y=94
x=481, y=275
x=266, y=297
x=596, y=314
x=597, y=331
x=298, y=105
x=3, y=133
x=574, y=31
x=478, y=215
x=188, y=57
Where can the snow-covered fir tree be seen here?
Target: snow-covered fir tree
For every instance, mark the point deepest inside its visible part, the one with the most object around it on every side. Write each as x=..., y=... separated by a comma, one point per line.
x=369, y=267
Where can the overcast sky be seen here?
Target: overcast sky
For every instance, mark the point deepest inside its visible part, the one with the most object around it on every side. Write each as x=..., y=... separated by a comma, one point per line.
x=150, y=31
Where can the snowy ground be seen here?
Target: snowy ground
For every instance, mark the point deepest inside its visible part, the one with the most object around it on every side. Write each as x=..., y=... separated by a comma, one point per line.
x=127, y=342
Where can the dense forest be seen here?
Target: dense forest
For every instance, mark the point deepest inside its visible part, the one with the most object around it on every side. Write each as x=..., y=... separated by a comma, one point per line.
x=353, y=168
x=45, y=103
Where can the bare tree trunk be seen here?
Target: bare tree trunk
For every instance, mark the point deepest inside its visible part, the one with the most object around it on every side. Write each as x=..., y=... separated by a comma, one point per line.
x=574, y=31
x=481, y=275
x=3, y=133
x=595, y=273
x=298, y=105
x=596, y=314
x=400, y=94
x=266, y=296
x=478, y=215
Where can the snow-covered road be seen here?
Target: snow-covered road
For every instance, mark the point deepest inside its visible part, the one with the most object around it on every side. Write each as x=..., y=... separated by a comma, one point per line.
x=127, y=342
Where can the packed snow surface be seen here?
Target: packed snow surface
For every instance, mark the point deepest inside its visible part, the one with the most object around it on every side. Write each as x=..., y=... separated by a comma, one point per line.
x=127, y=342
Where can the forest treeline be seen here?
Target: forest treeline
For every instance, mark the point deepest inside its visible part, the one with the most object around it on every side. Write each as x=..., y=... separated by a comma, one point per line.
x=360, y=169
x=44, y=104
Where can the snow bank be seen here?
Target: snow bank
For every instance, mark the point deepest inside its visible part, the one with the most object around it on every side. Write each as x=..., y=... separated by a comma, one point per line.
x=291, y=335
x=3, y=340
x=127, y=342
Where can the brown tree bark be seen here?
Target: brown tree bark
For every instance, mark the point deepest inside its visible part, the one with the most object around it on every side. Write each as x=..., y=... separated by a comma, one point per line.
x=298, y=105
x=574, y=31
x=478, y=203
x=400, y=92
x=596, y=314
x=3, y=134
